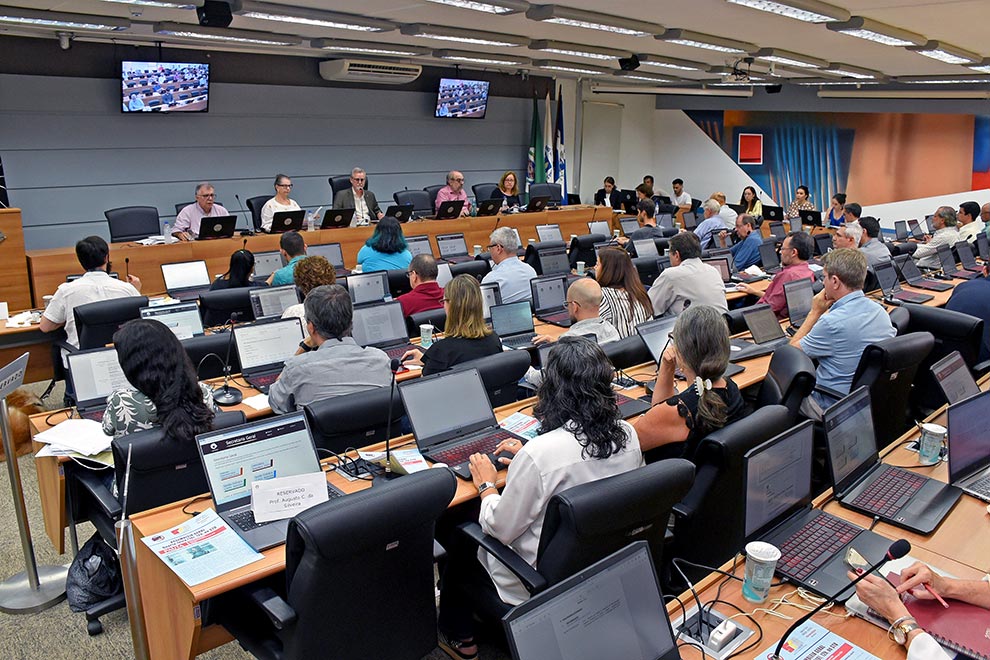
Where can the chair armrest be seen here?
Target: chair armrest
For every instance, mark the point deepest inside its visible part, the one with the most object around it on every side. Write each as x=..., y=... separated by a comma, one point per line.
x=981, y=368
x=829, y=392
x=530, y=578
x=686, y=508
x=275, y=608
x=92, y=484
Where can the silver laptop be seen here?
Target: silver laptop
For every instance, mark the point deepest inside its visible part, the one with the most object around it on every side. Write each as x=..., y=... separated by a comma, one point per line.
x=969, y=448
x=182, y=319
x=554, y=261
x=629, y=225
x=264, y=347
x=549, y=233
x=513, y=323
x=419, y=245
x=95, y=374
x=646, y=248
x=798, y=294
x=383, y=326
x=266, y=263
x=367, y=288
x=954, y=377
x=186, y=280
x=271, y=302
x=453, y=248
x=332, y=253
x=491, y=295
x=599, y=227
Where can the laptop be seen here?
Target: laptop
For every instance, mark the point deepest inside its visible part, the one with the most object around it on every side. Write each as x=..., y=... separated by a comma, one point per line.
x=95, y=375
x=891, y=287
x=778, y=510
x=337, y=218
x=954, y=377
x=182, y=319
x=721, y=264
x=627, y=198
x=264, y=347
x=235, y=458
x=629, y=225
x=798, y=295
x=453, y=249
x=444, y=275
x=611, y=609
x=983, y=247
x=332, y=253
x=646, y=247
x=554, y=261
x=911, y=275
x=536, y=204
x=271, y=302
x=863, y=483
x=777, y=231
x=655, y=334
x=766, y=331
x=599, y=227
x=740, y=209
x=489, y=207
x=665, y=220
x=266, y=263
x=809, y=217
x=948, y=262
x=550, y=299
x=367, y=288
x=928, y=224
x=916, y=230
x=186, y=280
x=823, y=243
x=401, y=212
x=283, y=221
x=901, y=230
x=547, y=233
x=450, y=210
x=969, y=453
x=796, y=224
x=491, y=295
x=966, y=257
x=452, y=418
x=690, y=220
x=513, y=323
x=775, y=213
x=419, y=245
x=220, y=226
x=769, y=257
x=383, y=326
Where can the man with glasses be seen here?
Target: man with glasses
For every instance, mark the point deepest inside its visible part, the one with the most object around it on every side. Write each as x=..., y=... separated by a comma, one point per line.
x=453, y=191
x=426, y=294
x=280, y=202
x=510, y=272
x=794, y=254
x=188, y=221
x=363, y=201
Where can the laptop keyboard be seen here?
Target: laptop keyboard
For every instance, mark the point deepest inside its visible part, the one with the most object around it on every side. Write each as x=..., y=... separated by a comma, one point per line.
x=398, y=351
x=889, y=492
x=245, y=519
x=907, y=296
x=458, y=454
x=95, y=415
x=813, y=545
x=981, y=486
x=262, y=382
x=518, y=341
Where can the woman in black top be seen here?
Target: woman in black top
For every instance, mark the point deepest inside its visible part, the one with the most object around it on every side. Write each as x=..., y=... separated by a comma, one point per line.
x=678, y=421
x=465, y=337
x=507, y=191
x=609, y=190
x=238, y=273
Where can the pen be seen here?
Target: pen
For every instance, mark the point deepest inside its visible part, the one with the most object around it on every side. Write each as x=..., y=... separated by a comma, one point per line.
x=937, y=597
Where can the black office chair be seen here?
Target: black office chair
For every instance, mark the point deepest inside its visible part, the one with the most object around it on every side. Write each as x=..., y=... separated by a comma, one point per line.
x=627, y=352
x=532, y=254
x=163, y=470
x=420, y=200
x=790, y=379
x=398, y=282
x=366, y=557
x=476, y=269
x=354, y=420
x=437, y=317
x=217, y=307
x=432, y=192
x=551, y=190
x=708, y=522
x=255, y=204
x=500, y=373
x=647, y=269
x=342, y=182
x=583, y=249
x=871, y=283
x=483, y=191
x=900, y=318
x=734, y=318
x=96, y=322
x=132, y=223
x=197, y=348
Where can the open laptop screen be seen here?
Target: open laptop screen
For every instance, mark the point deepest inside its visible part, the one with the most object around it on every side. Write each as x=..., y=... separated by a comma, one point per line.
x=378, y=324
x=182, y=319
x=954, y=378
x=185, y=275
x=721, y=264
x=549, y=233
x=96, y=374
x=451, y=245
x=599, y=227
x=512, y=318
x=768, y=255
x=490, y=296
x=368, y=287
x=269, y=303
x=969, y=430
x=329, y=251
x=798, y=294
x=549, y=292
x=852, y=443
x=646, y=248
x=419, y=245
x=266, y=263
x=444, y=405
x=762, y=324
x=629, y=225
x=655, y=333
x=260, y=344
x=778, y=478
x=444, y=276
x=553, y=261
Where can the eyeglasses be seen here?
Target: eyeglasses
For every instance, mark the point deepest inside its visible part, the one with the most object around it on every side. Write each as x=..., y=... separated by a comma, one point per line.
x=358, y=179
x=284, y=185
x=488, y=248
x=210, y=196
x=461, y=180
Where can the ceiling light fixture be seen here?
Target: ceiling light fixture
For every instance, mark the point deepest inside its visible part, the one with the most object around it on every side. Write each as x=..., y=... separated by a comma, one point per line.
x=500, y=7
x=881, y=33
x=572, y=67
x=902, y=94
x=946, y=53
x=368, y=47
x=195, y=32
x=847, y=71
x=982, y=67
x=706, y=41
x=576, y=50
x=790, y=59
x=810, y=11
x=670, y=62
x=943, y=80
x=644, y=77
x=829, y=83
x=55, y=19
x=462, y=35
x=591, y=20
x=472, y=57
x=188, y=4
x=267, y=11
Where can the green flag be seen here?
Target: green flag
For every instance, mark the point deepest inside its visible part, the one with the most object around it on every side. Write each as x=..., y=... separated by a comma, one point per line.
x=534, y=174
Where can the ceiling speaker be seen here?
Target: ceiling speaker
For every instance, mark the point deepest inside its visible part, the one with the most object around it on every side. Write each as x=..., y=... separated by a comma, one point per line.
x=214, y=13
x=630, y=63
x=773, y=89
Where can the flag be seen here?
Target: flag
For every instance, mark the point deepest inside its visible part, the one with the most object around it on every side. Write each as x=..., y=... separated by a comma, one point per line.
x=559, y=158
x=547, y=145
x=535, y=148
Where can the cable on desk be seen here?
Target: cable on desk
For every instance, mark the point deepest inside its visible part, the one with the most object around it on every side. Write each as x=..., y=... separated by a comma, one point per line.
x=64, y=411
x=193, y=501
x=696, y=645
x=342, y=461
x=693, y=593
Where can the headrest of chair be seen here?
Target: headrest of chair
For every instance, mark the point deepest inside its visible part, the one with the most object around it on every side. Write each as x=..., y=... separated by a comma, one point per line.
x=226, y=298
x=342, y=414
x=729, y=443
x=587, y=242
x=901, y=352
x=947, y=323
x=113, y=310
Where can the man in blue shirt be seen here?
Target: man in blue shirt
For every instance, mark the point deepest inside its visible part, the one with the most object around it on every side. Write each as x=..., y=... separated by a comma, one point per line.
x=841, y=324
x=711, y=225
x=510, y=272
x=747, y=251
x=973, y=298
x=293, y=249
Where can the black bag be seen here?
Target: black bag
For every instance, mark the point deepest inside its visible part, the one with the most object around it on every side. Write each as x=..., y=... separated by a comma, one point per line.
x=94, y=575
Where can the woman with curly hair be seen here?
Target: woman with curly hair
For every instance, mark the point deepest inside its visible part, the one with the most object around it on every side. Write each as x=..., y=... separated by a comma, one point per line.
x=311, y=272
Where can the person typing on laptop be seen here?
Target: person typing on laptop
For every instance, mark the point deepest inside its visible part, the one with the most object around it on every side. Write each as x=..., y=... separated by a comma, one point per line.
x=582, y=439
x=335, y=365
x=453, y=191
x=794, y=254
x=189, y=218
x=646, y=212
x=293, y=248
x=510, y=272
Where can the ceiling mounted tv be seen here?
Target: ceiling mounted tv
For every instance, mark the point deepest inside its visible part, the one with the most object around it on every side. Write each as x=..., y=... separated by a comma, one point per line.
x=164, y=87
x=462, y=99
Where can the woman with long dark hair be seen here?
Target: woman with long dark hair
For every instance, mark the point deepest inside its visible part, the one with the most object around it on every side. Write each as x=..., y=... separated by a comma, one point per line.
x=238, y=272
x=625, y=303
x=165, y=391
x=582, y=439
x=750, y=200
x=386, y=249
x=836, y=211
x=802, y=202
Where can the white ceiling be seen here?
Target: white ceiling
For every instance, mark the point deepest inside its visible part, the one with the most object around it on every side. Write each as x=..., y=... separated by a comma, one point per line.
x=962, y=23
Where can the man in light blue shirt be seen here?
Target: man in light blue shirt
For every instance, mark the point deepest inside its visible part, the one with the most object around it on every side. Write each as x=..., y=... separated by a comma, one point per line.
x=841, y=324
x=711, y=225
x=747, y=251
x=510, y=273
x=293, y=248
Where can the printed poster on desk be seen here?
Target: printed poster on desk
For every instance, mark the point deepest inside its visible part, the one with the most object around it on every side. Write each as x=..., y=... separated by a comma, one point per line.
x=813, y=642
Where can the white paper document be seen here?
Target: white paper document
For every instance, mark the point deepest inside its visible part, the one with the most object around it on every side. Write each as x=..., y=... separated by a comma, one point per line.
x=258, y=401
x=813, y=642
x=284, y=497
x=84, y=436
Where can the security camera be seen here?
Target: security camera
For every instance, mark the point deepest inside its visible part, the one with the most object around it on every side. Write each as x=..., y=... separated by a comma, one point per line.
x=64, y=40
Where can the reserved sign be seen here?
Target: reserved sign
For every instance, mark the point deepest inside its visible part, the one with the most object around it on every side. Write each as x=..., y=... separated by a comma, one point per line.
x=284, y=497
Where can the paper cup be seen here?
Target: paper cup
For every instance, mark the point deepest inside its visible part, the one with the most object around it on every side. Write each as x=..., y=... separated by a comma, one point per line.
x=761, y=561
x=477, y=250
x=580, y=268
x=426, y=335
x=930, y=443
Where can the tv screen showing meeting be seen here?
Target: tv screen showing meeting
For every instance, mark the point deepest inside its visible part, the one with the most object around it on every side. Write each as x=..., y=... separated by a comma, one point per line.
x=462, y=99
x=164, y=87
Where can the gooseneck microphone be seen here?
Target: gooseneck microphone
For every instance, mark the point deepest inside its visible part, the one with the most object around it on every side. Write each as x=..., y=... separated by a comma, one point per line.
x=227, y=395
x=896, y=550
x=388, y=474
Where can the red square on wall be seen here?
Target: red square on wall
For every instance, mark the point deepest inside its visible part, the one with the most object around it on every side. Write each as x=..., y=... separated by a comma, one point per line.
x=750, y=149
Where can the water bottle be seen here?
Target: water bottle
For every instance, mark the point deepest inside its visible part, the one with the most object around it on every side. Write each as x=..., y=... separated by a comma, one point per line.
x=167, y=232
x=311, y=221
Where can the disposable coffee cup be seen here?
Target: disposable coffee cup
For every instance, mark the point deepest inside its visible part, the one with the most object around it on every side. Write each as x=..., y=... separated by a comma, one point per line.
x=580, y=268
x=930, y=443
x=531, y=240
x=426, y=335
x=477, y=250
x=761, y=561
x=573, y=236
x=47, y=299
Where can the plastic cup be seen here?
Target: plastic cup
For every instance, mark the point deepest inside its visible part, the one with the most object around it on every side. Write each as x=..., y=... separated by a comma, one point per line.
x=930, y=443
x=47, y=299
x=580, y=268
x=761, y=561
x=426, y=335
x=477, y=250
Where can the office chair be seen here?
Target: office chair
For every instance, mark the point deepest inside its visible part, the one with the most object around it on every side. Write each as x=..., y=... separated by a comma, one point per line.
x=358, y=578
x=197, y=348
x=255, y=204
x=340, y=182
x=420, y=200
x=789, y=380
x=532, y=254
x=627, y=352
x=354, y=420
x=483, y=191
x=708, y=521
x=182, y=205
x=436, y=317
x=900, y=317
x=398, y=282
x=647, y=269
x=132, y=223
x=734, y=318
x=551, y=190
x=163, y=470
x=432, y=192
x=476, y=269
x=871, y=283
x=583, y=249
x=500, y=373
x=216, y=307
x=96, y=322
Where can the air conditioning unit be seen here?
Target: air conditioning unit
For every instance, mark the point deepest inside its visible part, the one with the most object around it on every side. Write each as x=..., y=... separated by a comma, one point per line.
x=369, y=71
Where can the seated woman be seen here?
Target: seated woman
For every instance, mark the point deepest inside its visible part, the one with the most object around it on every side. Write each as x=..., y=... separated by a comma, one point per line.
x=310, y=273
x=625, y=303
x=582, y=439
x=678, y=421
x=752, y=203
x=386, y=249
x=507, y=191
x=802, y=202
x=608, y=194
x=465, y=336
x=238, y=273
x=836, y=212
x=280, y=202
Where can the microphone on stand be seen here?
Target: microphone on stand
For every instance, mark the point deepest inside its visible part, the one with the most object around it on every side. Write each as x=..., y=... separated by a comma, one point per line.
x=244, y=246
x=227, y=395
x=896, y=550
x=388, y=475
x=241, y=210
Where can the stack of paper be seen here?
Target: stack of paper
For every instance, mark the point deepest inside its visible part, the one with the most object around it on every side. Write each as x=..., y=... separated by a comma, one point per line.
x=83, y=436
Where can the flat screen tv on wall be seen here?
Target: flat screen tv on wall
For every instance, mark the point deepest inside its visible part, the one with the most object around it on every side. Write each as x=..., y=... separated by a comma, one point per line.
x=459, y=99
x=164, y=87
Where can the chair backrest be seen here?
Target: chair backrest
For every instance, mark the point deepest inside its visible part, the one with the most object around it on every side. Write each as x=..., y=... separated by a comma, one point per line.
x=551, y=190
x=953, y=331
x=354, y=420
x=255, y=204
x=790, y=378
x=888, y=369
x=734, y=318
x=420, y=199
x=627, y=352
x=588, y=522
x=198, y=347
x=871, y=283
x=477, y=268
x=900, y=318
x=398, y=282
x=163, y=470
x=483, y=191
x=532, y=254
x=96, y=322
x=432, y=192
x=346, y=557
x=500, y=373
x=647, y=269
x=340, y=182
x=438, y=317
x=583, y=249
x=216, y=307
x=132, y=223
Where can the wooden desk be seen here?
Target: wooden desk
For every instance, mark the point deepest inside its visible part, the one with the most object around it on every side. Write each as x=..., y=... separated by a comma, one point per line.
x=16, y=341
x=13, y=273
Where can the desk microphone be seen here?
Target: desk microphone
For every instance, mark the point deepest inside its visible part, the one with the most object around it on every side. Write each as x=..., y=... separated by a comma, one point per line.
x=127, y=269
x=227, y=395
x=394, y=366
x=244, y=246
x=896, y=550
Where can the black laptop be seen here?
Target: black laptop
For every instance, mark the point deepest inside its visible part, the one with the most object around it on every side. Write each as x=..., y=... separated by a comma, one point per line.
x=271, y=302
x=775, y=213
x=550, y=299
x=95, y=374
x=283, y=221
x=953, y=376
x=690, y=220
x=337, y=218
x=536, y=204
x=216, y=226
x=901, y=230
x=332, y=253
x=887, y=278
x=554, y=261
x=264, y=347
x=453, y=248
x=778, y=510
x=513, y=323
x=983, y=247
x=489, y=207
x=655, y=334
x=382, y=326
x=948, y=262
x=766, y=331
x=778, y=231
x=969, y=451
x=798, y=295
x=450, y=209
x=912, y=275
x=600, y=227
x=810, y=217
x=186, y=280
x=916, y=230
x=769, y=257
x=863, y=483
x=365, y=288
x=401, y=212
x=966, y=257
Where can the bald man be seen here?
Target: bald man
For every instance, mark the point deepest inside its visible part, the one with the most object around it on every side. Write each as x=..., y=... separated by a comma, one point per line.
x=584, y=299
x=453, y=191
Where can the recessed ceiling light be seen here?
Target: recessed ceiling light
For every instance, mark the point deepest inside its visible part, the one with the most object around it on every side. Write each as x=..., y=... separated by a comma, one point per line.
x=829, y=83
x=881, y=33
x=790, y=59
x=188, y=4
x=706, y=41
x=982, y=67
x=944, y=80
x=809, y=11
x=591, y=20
x=572, y=67
x=576, y=50
x=267, y=11
x=472, y=57
x=369, y=47
x=462, y=35
x=185, y=31
x=501, y=7
x=61, y=20
x=946, y=53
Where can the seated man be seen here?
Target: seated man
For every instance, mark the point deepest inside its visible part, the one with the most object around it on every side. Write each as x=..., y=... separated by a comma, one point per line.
x=95, y=285
x=973, y=298
x=708, y=228
x=851, y=212
x=189, y=218
x=426, y=294
x=841, y=324
x=680, y=197
x=688, y=281
x=510, y=272
x=848, y=235
x=946, y=233
x=334, y=364
x=747, y=251
x=726, y=212
x=364, y=202
x=970, y=222
x=293, y=249
x=875, y=251
x=794, y=254
x=646, y=217
x=453, y=191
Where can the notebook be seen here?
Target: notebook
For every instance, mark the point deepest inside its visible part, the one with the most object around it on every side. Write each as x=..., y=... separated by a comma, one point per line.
x=332, y=253
x=220, y=226
x=777, y=231
x=900, y=230
x=264, y=347
x=910, y=273
x=548, y=233
x=916, y=230
x=95, y=374
x=182, y=319
x=401, y=212
x=766, y=331
x=961, y=627
x=452, y=248
x=948, y=262
x=809, y=217
x=769, y=257
x=655, y=334
x=450, y=210
x=823, y=243
x=367, y=288
x=536, y=204
x=599, y=227
x=798, y=294
x=550, y=299
x=967, y=258
x=953, y=376
x=690, y=220
x=266, y=263
x=271, y=302
x=646, y=248
x=891, y=288
x=629, y=225
x=489, y=207
x=513, y=323
x=773, y=213
x=969, y=452
x=186, y=280
x=554, y=261
x=444, y=275
x=383, y=326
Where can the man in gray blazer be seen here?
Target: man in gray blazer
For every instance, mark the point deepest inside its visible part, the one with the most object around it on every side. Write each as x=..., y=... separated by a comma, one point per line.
x=356, y=197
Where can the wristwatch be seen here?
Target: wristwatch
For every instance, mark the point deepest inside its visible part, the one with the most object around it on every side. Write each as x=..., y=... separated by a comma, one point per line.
x=306, y=347
x=485, y=486
x=901, y=628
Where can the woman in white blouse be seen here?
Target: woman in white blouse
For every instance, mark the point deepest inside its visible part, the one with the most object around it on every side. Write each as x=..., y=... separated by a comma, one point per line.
x=280, y=202
x=582, y=439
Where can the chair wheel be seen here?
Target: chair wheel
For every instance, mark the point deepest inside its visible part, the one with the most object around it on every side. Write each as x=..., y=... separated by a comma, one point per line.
x=94, y=627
